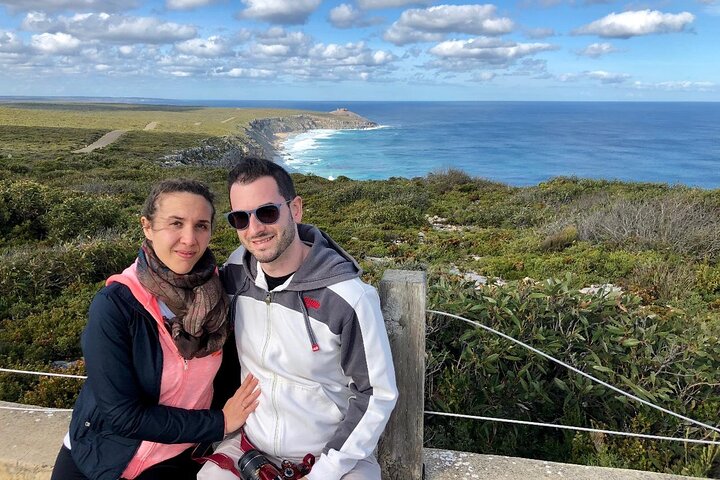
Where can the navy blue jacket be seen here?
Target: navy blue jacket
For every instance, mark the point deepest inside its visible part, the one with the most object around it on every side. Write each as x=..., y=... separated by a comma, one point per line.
x=118, y=405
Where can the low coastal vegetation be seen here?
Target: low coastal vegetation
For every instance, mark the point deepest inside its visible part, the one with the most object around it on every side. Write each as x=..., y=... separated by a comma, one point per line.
x=514, y=259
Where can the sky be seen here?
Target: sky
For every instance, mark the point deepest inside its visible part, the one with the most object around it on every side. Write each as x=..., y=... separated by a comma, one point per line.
x=409, y=50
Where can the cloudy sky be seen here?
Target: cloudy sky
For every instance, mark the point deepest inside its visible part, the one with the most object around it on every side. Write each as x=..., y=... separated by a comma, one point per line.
x=362, y=49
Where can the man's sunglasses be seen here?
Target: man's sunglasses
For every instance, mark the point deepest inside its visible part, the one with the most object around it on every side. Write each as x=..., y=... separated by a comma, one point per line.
x=266, y=214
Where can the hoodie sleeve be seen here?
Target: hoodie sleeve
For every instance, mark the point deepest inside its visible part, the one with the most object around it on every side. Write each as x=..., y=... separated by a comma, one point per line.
x=366, y=359
x=124, y=407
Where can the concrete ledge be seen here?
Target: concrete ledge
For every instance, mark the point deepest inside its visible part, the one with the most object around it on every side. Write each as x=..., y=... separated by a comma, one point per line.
x=29, y=442
x=447, y=465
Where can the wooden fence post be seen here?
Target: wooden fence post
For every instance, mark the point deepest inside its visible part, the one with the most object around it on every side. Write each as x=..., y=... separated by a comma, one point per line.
x=403, y=298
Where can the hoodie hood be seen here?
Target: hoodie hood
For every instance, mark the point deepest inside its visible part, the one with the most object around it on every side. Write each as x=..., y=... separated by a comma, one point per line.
x=326, y=264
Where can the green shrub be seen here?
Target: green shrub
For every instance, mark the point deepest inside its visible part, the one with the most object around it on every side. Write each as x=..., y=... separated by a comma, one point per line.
x=49, y=333
x=24, y=203
x=655, y=353
x=36, y=275
x=446, y=180
x=81, y=216
x=561, y=240
x=664, y=281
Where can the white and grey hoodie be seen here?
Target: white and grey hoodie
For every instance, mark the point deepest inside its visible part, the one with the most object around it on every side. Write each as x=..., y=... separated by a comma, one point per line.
x=318, y=346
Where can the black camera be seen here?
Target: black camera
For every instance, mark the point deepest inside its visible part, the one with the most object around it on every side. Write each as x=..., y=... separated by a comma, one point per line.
x=253, y=465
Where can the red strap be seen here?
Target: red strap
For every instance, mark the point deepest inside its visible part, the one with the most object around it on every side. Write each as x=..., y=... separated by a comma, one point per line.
x=222, y=461
x=245, y=444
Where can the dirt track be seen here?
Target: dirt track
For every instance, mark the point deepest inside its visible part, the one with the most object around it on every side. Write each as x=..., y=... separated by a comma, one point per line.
x=103, y=141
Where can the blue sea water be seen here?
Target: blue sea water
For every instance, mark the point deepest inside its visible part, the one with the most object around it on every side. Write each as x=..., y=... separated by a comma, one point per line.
x=521, y=143
x=518, y=143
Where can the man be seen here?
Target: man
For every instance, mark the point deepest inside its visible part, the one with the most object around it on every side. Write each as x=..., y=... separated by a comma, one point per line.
x=309, y=329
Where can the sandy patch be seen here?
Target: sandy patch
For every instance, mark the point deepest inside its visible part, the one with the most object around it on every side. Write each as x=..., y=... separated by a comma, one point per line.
x=228, y=119
x=103, y=141
x=150, y=126
x=197, y=123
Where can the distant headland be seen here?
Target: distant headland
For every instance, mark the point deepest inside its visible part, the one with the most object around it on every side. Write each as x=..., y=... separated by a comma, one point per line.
x=263, y=137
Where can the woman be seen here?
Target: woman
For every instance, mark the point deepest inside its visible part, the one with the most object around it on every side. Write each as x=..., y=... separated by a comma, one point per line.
x=152, y=346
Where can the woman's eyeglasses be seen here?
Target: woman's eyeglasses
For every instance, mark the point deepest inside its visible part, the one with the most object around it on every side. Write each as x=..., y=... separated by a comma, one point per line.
x=266, y=214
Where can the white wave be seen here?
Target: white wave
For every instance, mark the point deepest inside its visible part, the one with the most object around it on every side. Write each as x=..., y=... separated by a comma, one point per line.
x=306, y=140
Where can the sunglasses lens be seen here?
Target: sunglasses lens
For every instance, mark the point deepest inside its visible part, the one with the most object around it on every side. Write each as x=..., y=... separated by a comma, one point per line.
x=239, y=220
x=268, y=214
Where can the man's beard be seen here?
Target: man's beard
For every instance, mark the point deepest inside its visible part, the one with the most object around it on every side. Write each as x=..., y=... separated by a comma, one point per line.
x=284, y=239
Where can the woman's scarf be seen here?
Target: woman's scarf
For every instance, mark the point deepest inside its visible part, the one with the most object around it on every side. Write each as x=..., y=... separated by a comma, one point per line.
x=196, y=298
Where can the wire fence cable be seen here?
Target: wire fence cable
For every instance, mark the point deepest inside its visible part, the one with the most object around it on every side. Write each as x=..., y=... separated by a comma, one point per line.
x=579, y=372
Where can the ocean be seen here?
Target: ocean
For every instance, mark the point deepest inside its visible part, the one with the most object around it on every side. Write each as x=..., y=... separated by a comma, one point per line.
x=519, y=143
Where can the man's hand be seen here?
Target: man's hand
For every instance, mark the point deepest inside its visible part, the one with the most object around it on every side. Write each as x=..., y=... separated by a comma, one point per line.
x=241, y=405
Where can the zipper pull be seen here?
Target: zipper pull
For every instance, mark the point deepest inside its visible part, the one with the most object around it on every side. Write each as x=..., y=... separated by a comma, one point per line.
x=268, y=298
x=185, y=361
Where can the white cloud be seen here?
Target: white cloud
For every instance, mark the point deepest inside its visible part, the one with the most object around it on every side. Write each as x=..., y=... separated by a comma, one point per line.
x=126, y=50
x=286, y=12
x=245, y=73
x=350, y=54
x=607, y=77
x=37, y=22
x=687, y=86
x=69, y=5
x=489, y=50
x=432, y=23
x=55, y=43
x=271, y=50
x=186, y=4
x=112, y=27
x=600, y=75
x=296, y=41
x=484, y=76
x=596, y=50
x=344, y=16
x=635, y=23
x=295, y=55
x=214, y=46
x=10, y=43
x=403, y=36
x=138, y=29
x=372, y=4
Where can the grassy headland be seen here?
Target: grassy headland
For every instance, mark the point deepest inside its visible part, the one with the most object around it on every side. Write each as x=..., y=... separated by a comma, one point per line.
x=67, y=221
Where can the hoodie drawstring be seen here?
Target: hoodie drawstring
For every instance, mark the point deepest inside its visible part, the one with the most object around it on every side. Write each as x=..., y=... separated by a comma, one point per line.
x=308, y=327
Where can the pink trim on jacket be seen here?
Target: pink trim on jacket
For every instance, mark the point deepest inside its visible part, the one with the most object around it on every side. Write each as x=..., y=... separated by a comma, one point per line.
x=184, y=383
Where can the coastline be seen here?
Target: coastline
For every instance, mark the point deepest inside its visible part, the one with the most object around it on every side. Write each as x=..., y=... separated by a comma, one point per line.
x=269, y=135
x=264, y=137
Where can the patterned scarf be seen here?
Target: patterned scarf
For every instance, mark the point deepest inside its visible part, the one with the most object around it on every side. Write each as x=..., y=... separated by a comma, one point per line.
x=197, y=299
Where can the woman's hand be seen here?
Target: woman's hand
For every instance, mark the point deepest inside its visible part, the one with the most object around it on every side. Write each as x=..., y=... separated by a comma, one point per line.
x=241, y=405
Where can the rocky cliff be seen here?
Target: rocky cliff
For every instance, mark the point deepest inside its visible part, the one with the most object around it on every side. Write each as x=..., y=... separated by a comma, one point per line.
x=261, y=138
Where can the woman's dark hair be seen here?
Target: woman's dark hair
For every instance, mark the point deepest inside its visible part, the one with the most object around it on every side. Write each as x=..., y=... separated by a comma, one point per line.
x=250, y=169
x=177, y=185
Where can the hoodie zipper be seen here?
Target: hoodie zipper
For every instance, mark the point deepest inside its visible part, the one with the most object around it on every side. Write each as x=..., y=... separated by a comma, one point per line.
x=273, y=388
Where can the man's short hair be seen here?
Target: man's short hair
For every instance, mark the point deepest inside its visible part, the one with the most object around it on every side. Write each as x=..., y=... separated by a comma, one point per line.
x=250, y=169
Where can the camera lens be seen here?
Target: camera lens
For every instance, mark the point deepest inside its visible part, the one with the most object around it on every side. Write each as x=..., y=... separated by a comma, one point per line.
x=254, y=466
